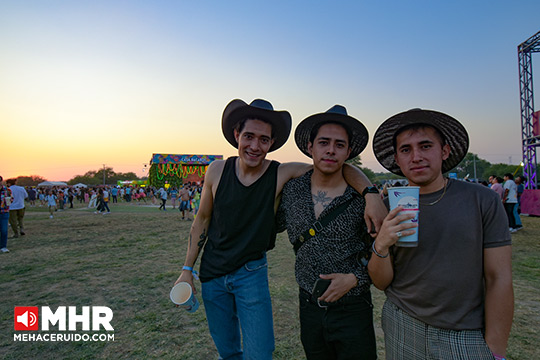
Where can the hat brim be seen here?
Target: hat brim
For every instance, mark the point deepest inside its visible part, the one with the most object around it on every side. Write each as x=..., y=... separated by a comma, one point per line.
x=455, y=135
x=237, y=110
x=359, y=133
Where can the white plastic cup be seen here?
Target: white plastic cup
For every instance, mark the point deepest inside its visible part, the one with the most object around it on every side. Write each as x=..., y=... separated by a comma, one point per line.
x=182, y=295
x=408, y=198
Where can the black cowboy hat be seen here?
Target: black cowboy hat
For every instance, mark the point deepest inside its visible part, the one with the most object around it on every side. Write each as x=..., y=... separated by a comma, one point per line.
x=454, y=134
x=238, y=110
x=338, y=114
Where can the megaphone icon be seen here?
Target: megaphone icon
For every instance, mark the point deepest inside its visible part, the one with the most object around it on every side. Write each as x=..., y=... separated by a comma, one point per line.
x=23, y=319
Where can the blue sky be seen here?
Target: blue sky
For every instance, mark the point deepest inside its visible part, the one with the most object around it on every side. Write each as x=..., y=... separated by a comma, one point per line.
x=87, y=83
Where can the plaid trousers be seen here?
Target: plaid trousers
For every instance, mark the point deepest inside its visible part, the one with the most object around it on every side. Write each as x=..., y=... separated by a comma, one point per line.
x=408, y=338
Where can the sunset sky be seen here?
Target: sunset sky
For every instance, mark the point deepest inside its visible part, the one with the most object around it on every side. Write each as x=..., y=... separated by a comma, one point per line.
x=87, y=83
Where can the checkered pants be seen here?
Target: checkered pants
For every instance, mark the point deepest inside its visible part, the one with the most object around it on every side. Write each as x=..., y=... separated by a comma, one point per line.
x=408, y=338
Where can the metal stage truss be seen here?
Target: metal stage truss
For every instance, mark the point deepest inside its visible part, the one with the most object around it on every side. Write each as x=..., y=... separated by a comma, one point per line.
x=530, y=140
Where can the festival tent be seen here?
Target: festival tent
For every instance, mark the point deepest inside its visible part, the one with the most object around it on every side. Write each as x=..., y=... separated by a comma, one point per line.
x=80, y=185
x=52, y=183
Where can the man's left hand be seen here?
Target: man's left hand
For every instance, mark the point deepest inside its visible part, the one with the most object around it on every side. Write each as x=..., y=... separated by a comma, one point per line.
x=374, y=214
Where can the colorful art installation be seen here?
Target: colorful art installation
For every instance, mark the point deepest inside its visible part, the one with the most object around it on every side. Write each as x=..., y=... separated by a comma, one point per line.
x=174, y=170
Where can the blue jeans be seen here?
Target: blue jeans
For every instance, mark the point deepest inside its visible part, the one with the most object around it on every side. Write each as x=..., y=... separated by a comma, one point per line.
x=516, y=216
x=4, y=218
x=241, y=299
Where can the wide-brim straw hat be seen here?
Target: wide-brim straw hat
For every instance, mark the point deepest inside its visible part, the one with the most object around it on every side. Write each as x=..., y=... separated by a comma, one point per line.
x=238, y=110
x=454, y=133
x=336, y=114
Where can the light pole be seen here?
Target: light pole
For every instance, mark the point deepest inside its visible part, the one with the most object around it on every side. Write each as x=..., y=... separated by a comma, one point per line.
x=518, y=167
x=474, y=163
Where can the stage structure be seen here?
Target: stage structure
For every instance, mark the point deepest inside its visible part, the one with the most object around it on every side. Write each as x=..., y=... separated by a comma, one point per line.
x=530, y=135
x=175, y=170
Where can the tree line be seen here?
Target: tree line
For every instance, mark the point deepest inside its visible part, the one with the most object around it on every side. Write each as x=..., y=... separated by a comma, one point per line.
x=92, y=177
x=105, y=175
x=466, y=168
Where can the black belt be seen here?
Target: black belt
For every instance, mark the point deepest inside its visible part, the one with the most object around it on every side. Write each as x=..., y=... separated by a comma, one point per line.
x=344, y=300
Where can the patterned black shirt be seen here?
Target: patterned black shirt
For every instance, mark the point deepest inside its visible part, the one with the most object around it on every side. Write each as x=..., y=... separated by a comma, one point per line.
x=336, y=248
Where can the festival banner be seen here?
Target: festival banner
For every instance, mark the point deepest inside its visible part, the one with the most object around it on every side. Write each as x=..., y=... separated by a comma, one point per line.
x=176, y=169
x=184, y=159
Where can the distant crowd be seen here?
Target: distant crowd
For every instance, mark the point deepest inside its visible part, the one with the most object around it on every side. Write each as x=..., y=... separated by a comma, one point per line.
x=510, y=191
x=58, y=198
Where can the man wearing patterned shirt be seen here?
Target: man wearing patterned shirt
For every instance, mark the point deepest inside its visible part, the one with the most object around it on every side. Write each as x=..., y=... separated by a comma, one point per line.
x=339, y=323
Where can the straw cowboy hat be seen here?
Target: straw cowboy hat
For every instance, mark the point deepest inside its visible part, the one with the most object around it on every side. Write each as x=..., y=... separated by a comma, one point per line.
x=454, y=134
x=238, y=110
x=336, y=114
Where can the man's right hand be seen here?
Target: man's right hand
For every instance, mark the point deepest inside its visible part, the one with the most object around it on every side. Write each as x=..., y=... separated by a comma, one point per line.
x=392, y=224
x=186, y=276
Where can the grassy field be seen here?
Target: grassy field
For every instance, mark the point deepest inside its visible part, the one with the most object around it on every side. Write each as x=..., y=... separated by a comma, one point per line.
x=128, y=261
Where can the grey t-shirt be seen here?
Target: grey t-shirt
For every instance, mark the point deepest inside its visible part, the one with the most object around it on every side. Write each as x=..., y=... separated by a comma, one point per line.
x=441, y=282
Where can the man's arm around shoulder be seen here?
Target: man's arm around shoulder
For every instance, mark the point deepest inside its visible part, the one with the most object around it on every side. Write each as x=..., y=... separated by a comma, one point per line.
x=375, y=209
x=288, y=171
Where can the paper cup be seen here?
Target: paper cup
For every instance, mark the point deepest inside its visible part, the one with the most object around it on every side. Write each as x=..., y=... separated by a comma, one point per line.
x=408, y=198
x=182, y=295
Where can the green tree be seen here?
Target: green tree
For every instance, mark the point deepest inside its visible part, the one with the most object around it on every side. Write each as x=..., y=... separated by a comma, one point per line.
x=32, y=180
x=84, y=179
x=468, y=165
x=383, y=177
x=126, y=176
x=501, y=169
x=105, y=175
x=96, y=177
x=357, y=161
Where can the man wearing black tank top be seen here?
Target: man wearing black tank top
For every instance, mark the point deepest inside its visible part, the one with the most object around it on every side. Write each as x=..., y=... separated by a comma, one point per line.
x=235, y=226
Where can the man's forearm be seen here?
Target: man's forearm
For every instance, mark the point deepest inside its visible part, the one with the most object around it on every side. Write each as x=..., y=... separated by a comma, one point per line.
x=499, y=300
x=380, y=267
x=197, y=238
x=499, y=312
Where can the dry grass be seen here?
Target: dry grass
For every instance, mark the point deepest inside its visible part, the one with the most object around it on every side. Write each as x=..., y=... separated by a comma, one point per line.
x=128, y=261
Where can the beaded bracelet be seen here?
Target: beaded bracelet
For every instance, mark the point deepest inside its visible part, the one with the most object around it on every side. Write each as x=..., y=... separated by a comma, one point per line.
x=376, y=253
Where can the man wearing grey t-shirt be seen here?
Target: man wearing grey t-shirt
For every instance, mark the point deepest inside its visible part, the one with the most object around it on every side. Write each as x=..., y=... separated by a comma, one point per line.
x=451, y=297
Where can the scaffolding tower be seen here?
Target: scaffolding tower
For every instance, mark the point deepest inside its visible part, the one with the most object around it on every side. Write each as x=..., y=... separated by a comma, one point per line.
x=530, y=141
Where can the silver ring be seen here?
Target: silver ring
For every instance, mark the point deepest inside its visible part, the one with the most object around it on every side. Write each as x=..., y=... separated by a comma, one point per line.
x=399, y=234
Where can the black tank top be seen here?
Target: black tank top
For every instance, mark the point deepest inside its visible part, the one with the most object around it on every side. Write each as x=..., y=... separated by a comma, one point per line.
x=242, y=226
